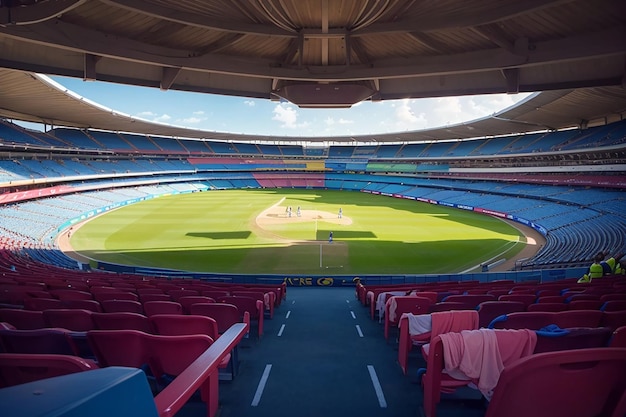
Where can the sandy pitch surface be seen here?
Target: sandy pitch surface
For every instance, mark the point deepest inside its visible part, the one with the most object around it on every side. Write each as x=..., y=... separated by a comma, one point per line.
x=278, y=214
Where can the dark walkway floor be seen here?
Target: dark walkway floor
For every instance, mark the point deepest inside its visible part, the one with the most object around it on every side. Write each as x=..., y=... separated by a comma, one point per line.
x=322, y=355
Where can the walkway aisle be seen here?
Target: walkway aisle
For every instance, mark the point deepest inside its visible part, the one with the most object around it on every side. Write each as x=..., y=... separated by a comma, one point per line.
x=321, y=356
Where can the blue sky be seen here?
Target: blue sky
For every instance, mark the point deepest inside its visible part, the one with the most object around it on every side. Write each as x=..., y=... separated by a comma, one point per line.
x=263, y=117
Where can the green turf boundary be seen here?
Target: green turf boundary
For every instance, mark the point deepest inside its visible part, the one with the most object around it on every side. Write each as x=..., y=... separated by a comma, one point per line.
x=218, y=231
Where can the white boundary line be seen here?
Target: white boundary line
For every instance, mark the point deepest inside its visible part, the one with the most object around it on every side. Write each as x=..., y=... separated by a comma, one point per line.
x=259, y=389
x=379, y=390
x=505, y=250
x=280, y=332
x=358, y=329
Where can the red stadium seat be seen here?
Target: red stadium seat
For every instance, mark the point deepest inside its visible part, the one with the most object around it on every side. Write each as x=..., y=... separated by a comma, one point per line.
x=122, y=306
x=70, y=319
x=91, y=305
x=489, y=310
x=224, y=314
x=398, y=305
x=547, y=307
x=151, y=308
x=618, y=338
x=121, y=321
x=527, y=299
x=178, y=325
x=23, y=319
x=187, y=301
x=20, y=368
x=581, y=383
x=45, y=341
x=247, y=305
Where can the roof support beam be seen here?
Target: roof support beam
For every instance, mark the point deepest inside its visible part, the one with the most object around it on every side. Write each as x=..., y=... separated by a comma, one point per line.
x=168, y=75
x=324, y=30
x=89, y=68
x=512, y=80
x=464, y=18
x=36, y=13
x=67, y=36
x=190, y=19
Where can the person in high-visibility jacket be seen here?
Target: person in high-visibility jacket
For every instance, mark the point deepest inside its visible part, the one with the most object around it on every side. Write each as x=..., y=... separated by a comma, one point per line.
x=595, y=270
x=601, y=267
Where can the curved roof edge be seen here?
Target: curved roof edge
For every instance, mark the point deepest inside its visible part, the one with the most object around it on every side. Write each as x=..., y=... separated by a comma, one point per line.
x=36, y=98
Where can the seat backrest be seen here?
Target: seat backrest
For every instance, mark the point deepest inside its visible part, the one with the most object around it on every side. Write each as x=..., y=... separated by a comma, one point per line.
x=41, y=304
x=613, y=319
x=23, y=319
x=613, y=297
x=91, y=305
x=45, y=341
x=20, y=368
x=446, y=306
x=582, y=383
x=151, y=308
x=176, y=294
x=154, y=297
x=144, y=291
x=215, y=294
x=527, y=299
x=582, y=296
x=69, y=318
x=171, y=355
x=578, y=318
x=115, y=295
x=585, y=304
x=257, y=295
x=471, y=301
x=179, y=325
x=119, y=306
x=224, y=314
x=68, y=294
x=547, y=307
x=614, y=305
x=121, y=321
x=433, y=296
x=574, y=338
x=551, y=299
x=119, y=347
x=489, y=310
x=533, y=320
x=618, y=338
x=188, y=300
x=243, y=304
x=398, y=305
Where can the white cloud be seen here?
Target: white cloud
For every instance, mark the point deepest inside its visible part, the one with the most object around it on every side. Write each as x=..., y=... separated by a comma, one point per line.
x=153, y=117
x=330, y=121
x=249, y=103
x=406, y=116
x=198, y=113
x=164, y=118
x=287, y=115
x=192, y=120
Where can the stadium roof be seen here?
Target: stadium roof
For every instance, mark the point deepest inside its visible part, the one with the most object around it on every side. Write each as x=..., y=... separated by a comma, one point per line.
x=321, y=53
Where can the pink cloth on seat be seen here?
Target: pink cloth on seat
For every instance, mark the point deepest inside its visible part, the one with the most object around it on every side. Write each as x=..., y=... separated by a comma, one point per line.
x=481, y=355
x=454, y=321
x=445, y=322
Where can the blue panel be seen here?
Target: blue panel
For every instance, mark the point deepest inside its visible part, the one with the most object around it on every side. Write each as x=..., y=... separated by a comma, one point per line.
x=107, y=392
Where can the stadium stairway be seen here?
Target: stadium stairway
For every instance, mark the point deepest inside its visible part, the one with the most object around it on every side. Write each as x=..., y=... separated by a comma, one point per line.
x=322, y=355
